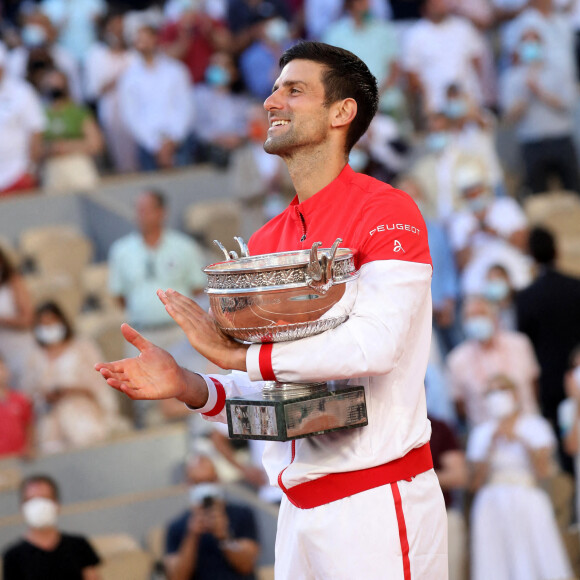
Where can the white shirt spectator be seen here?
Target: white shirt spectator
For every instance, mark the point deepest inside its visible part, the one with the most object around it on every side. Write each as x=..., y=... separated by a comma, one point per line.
x=156, y=101
x=21, y=115
x=442, y=54
x=76, y=22
x=18, y=59
x=505, y=217
x=556, y=30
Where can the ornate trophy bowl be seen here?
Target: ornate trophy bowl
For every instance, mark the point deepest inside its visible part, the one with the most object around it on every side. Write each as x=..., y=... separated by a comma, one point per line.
x=281, y=297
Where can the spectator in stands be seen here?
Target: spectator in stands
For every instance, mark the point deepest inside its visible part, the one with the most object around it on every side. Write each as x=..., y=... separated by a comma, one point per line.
x=488, y=230
x=156, y=105
x=71, y=140
x=193, y=36
x=514, y=531
x=539, y=96
x=499, y=290
x=16, y=315
x=451, y=470
x=430, y=62
x=46, y=552
x=39, y=52
x=76, y=23
x=105, y=63
x=374, y=41
x=16, y=418
x=221, y=125
x=434, y=168
x=548, y=312
x=213, y=538
x=144, y=261
x=259, y=62
x=473, y=130
x=486, y=352
x=21, y=125
x=569, y=417
x=74, y=410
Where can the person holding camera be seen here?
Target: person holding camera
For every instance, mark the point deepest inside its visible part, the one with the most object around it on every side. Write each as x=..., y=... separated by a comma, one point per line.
x=213, y=538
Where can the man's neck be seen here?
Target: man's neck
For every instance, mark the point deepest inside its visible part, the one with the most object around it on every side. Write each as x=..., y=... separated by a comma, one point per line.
x=312, y=171
x=152, y=237
x=43, y=538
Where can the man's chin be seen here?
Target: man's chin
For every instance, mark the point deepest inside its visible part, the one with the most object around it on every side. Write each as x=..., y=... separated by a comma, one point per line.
x=275, y=147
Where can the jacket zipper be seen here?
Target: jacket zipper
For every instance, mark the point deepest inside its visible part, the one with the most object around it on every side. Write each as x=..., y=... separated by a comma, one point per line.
x=303, y=238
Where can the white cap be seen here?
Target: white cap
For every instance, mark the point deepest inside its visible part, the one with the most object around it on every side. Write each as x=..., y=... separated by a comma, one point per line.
x=470, y=174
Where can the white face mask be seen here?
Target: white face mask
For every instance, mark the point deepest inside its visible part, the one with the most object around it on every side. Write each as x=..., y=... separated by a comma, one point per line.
x=479, y=328
x=576, y=377
x=40, y=512
x=198, y=493
x=500, y=404
x=50, y=333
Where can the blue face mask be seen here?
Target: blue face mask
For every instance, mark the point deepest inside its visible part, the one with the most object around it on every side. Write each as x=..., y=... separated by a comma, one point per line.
x=456, y=108
x=437, y=141
x=496, y=290
x=358, y=159
x=480, y=328
x=217, y=76
x=531, y=51
x=478, y=204
x=33, y=35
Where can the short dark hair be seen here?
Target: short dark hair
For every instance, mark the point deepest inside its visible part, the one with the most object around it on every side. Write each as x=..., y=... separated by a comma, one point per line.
x=542, y=245
x=159, y=196
x=54, y=308
x=39, y=478
x=345, y=76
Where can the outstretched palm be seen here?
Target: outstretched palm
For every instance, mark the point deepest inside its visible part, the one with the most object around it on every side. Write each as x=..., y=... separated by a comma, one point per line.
x=153, y=374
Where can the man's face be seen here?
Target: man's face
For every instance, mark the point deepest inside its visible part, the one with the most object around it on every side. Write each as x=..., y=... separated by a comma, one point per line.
x=146, y=42
x=149, y=214
x=297, y=114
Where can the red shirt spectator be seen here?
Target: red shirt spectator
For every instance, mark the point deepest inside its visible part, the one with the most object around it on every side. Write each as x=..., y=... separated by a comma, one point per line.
x=16, y=419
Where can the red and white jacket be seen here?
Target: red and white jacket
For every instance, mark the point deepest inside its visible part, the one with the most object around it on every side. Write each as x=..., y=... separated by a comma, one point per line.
x=384, y=345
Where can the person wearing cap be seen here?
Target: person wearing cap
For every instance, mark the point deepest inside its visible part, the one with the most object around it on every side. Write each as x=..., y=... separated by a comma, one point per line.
x=213, y=538
x=22, y=122
x=487, y=230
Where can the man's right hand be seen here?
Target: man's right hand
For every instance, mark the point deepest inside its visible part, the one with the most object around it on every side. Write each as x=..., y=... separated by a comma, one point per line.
x=153, y=374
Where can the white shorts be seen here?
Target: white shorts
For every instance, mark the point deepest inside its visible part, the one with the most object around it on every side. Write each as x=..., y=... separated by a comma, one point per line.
x=393, y=532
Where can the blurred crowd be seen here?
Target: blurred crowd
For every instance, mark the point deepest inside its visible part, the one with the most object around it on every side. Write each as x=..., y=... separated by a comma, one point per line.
x=89, y=88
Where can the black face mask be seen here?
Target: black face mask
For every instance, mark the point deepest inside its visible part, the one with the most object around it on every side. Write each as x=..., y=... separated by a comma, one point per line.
x=55, y=94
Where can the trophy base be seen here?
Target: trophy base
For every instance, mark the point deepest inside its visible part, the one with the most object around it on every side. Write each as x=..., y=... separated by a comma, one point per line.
x=286, y=412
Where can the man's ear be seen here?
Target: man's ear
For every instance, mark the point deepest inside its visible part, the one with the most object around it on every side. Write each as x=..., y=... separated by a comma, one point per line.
x=343, y=112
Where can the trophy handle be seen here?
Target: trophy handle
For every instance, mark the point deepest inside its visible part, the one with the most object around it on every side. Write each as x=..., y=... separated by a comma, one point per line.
x=221, y=247
x=319, y=270
x=245, y=253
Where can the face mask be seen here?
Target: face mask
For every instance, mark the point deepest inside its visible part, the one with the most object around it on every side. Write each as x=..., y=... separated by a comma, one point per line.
x=479, y=203
x=531, y=51
x=217, y=76
x=112, y=40
x=437, y=141
x=496, y=290
x=456, y=108
x=500, y=404
x=55, y=94
x=40, y=512
x=479, y=328
x=277, y=30
x=358, y=159
x=33, y=35
x=199, y=493
x=50, y=333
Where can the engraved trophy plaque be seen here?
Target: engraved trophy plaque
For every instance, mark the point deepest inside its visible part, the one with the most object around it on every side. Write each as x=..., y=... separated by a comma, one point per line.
x=281, y=297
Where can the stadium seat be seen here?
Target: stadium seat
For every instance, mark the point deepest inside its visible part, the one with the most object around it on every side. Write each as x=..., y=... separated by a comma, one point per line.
x=122, y=557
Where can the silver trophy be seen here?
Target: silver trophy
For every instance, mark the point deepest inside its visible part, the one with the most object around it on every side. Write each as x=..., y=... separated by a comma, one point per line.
x=281, y=297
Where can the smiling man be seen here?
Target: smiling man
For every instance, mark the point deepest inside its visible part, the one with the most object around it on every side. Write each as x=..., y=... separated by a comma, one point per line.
x=361, y=503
